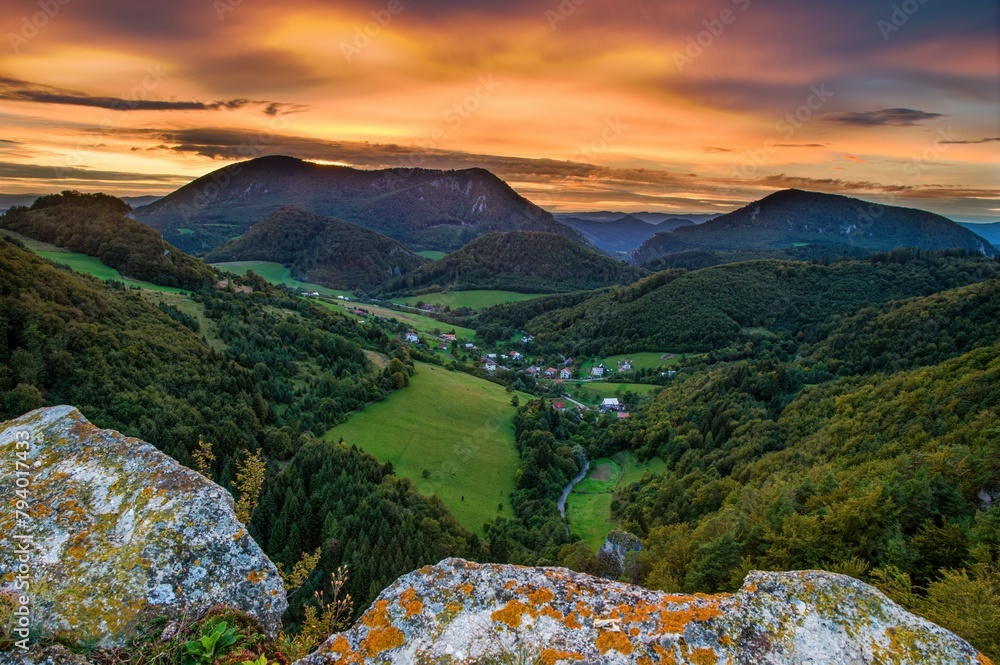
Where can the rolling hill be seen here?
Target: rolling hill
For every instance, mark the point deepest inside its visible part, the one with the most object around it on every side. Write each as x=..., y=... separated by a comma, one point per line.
x=989, y=231
x=424, y=209
x=323, y=250
x=522, y=261
x=793, y=219
x=621, y=235
x=99, y=225
x=704, y=310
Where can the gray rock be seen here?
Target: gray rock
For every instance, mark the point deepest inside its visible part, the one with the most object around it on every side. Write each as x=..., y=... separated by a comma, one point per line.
x=53, y=655
x=462, y=613
x=122, y=534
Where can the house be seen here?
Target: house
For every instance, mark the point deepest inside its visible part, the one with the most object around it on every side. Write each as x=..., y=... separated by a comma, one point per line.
x=442, y=347
x=532, y=371
x=412, y=337
x=597, y=371
x=527, y=339
x=491, y=356
x=551, y=372
x=565, y=374
x=490, y=366
x=625, y=366
x=449, y=337
x=340, y=297
x=559, y=406
x=516, y=355
x=610, y=404
x=622, y=415
x=470, y=345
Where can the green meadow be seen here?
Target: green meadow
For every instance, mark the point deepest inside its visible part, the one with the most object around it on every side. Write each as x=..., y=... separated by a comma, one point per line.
x=451, y=434
x=595, y=390
x=418, y=322
x=470, y=299
x=433, y=255
x=275, y=273
x=589, y=505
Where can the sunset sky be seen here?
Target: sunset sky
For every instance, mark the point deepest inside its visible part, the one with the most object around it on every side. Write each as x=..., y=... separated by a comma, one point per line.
x=580, y=105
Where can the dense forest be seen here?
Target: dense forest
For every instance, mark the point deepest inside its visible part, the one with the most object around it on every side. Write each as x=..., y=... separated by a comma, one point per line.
x=703, y=310
x=288, y=371
x=525, y=261
x=321, y=250
x=101, y=226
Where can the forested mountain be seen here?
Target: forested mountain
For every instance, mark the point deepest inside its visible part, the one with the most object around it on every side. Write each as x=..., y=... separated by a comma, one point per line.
x=621, y=235
x=825, y=222
x=321, y=250
x=101, y=226
x=706, y=309
x=526, y=261
x=424, y=209
x=989, y=231
x=287, y=371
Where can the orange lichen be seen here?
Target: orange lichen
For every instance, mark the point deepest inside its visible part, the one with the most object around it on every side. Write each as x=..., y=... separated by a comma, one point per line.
x=584, y=610
x=453, y=608
x=541, y=596
x=510, y=584
x=608, y=640
x=511, y=613
x=644, y=660
x=382, y=639
x=674, y=620
x=408, y=601
x=256, y=576
x=551, y=656
x=466, y=588
x=378, y=615
x=703, y=656
x=667, y=656
x=983, y=660
x=571, y=622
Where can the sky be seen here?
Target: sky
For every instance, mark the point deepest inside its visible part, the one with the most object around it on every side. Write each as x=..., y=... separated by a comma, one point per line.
x=659, y=105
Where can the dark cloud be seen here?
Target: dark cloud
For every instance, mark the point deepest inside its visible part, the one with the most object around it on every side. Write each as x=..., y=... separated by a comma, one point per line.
x=988, y=140
x=24, y=91
x=898, y=117
x=12, y=171
x=711, y=149
x=800, y=145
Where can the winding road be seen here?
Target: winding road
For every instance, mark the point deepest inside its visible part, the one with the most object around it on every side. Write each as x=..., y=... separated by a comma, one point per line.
x=569, y=488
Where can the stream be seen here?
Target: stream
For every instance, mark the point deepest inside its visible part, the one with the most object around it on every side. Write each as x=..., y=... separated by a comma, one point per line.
x=569, y=488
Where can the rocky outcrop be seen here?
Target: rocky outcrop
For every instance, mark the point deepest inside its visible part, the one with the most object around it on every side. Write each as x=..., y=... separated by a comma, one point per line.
x=120, y=533
x=462, y=613
x=611, y=556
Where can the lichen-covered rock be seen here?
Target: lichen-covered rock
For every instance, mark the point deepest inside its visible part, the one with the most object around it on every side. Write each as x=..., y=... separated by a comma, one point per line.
x=460, y=613
x=51, y=655
x=121, y=533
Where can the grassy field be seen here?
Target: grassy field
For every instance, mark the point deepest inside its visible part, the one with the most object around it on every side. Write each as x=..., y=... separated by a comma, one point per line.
x=470, y=299
x=432, y=254
x=589, y=505
x=599, y=390
x=643, y=360
x=455, y=427
x=182, y=301
x=418, y=322
x=275, y=273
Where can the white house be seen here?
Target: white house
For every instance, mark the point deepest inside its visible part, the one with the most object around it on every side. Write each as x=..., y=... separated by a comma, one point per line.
x=565, y=373
x=598, y=371
x=611, y=404
x=625, y=366
x=516, y=355
x=412, y=337
x=490, y=366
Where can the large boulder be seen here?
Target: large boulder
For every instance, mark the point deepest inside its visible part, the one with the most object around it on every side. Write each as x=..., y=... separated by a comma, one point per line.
x=121, y=534
x=463, y=613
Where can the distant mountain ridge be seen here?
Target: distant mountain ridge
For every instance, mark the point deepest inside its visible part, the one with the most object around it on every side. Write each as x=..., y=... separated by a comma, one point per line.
x=990, y=231
x=321, y=250
x=424, y=209
x=525, y=261
x=604, y=216
x=794, y=218
x=622, y=235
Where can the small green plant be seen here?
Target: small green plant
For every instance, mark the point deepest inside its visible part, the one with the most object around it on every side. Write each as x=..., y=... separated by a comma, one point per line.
x=260, y=661
x=211, y=645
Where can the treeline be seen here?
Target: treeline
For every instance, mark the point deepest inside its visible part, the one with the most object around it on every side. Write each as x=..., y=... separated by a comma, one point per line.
x=702, y=310
x=524, y=261
x=99, y=225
